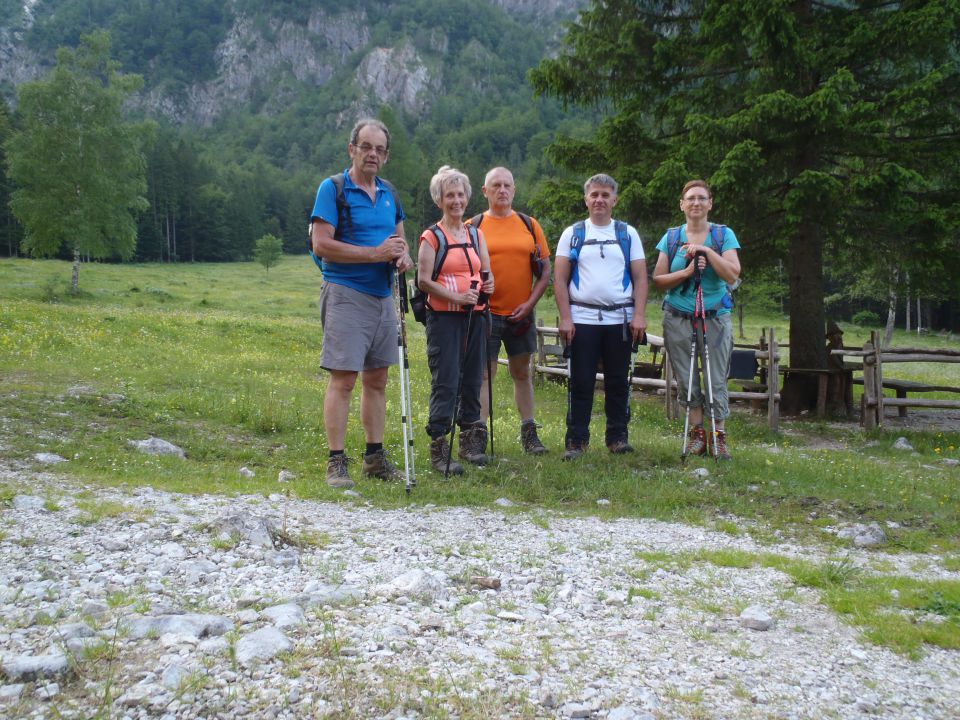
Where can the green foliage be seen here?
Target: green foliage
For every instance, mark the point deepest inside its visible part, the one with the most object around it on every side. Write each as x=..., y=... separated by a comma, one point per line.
x=268, y=251
x=866, y=318
x=822, y=128
x=76, y=162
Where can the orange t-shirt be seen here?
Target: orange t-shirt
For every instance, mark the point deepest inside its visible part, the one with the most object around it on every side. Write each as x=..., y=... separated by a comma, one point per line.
x=461, y=266
x=510, y=244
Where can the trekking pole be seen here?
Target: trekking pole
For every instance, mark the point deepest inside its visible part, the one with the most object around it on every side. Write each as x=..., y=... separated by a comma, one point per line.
x=484, y=274
x=693, y=360
x=706, y=362
x=463, y=362
x=406, y=405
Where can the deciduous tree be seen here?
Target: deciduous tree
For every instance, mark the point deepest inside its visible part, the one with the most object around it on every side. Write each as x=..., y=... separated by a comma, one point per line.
x=76, y=161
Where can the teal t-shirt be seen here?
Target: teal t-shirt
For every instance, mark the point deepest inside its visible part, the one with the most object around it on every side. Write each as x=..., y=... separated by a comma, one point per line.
x=714, y=288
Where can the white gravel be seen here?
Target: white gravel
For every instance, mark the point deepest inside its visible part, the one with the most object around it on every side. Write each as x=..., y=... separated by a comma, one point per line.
x=165, y=612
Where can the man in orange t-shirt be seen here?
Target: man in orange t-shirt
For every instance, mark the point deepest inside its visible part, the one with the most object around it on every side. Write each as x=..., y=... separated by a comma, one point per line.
x=511, y=238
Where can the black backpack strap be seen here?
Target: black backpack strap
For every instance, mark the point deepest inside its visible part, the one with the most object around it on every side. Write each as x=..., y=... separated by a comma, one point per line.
x=476, y=220
x=443, y=246
x=396, y=198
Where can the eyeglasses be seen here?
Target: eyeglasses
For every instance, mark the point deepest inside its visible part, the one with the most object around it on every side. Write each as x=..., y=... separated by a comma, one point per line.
x=697, y=199
x=365, y=148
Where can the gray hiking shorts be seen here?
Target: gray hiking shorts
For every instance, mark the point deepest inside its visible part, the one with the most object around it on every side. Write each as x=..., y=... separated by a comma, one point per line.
x=505, y=332
x=359, y=330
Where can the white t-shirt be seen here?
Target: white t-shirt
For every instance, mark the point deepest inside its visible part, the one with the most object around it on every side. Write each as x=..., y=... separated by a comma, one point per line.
x=600, y=270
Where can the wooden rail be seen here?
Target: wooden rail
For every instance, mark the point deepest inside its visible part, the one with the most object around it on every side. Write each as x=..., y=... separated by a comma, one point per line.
x=873, y=399
x=548, y=361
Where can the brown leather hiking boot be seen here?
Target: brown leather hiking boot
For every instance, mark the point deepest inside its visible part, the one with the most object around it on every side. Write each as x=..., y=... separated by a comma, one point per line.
x=529, y=440
x=439, y=451
x=378, y=465
x=573, y=451
x=337, y=474
x=473, y=444
x=720, y=447
x=620, y=447
x=696, y=441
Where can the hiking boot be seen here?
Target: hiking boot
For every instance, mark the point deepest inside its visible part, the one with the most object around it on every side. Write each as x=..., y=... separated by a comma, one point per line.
x=529, y=440
x=376, y=464
x=620, y=447
x=574, y=450
x=337, y=474
x=439, y=451
x=720, y=446
x=696, y=441
x=473, y=444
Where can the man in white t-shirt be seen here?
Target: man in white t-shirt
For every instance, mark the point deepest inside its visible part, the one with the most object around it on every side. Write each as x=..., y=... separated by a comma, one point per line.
x=602, y=297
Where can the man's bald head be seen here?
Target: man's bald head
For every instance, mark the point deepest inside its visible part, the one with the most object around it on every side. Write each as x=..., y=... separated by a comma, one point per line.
x=499, y=190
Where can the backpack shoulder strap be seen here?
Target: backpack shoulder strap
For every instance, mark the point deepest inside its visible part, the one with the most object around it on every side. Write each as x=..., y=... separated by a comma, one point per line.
x=717, y=234
x=442, y=245
x=343, y=207
x=576, y=243
x=673, y=244
x=474, y=237
x=622, y=231
x=529, y=224
x=396, y=197
x=476, y=220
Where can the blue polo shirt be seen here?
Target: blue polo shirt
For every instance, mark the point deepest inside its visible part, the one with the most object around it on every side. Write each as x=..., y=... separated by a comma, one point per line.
x=370, y=224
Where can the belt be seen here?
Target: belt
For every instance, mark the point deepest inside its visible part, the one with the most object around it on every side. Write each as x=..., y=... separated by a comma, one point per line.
x=669, y=310
x=600, y=308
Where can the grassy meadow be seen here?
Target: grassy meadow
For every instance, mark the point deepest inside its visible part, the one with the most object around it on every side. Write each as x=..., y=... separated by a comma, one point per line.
x=222, y=360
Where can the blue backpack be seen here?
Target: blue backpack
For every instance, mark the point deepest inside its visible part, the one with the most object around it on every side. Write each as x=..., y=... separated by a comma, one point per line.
x=717, y=233
x=579, y=241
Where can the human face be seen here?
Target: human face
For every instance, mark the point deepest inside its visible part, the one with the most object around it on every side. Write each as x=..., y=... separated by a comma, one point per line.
x=696, y=203
x=600, y=201
x=499, y=191
x=453, y=202
x=370, y=152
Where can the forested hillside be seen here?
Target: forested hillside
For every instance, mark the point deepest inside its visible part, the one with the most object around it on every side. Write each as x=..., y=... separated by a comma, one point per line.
x=252, y=101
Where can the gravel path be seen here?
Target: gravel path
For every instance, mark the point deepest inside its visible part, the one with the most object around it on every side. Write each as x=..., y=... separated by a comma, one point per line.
x=150, y=604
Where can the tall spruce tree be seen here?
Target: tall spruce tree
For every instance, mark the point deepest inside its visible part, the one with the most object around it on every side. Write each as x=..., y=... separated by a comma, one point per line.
x=821, y=126
x=76, y=162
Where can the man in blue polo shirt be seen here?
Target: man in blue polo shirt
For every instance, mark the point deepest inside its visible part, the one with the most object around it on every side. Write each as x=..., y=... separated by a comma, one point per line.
x=361, y=247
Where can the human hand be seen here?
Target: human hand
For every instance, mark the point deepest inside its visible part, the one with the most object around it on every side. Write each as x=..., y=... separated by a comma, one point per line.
x=487, y=286
x=391, y=249
x=567, y=331
x=469, y=297
x=520, y=312
x=405, y=262
x=638, y=326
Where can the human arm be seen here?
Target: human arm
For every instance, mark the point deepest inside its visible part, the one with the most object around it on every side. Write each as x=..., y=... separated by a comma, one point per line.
x=404, y=262
x=638, y=276
x=487, y=285
x=325, y=245
x=663, y=279
x=561, y=278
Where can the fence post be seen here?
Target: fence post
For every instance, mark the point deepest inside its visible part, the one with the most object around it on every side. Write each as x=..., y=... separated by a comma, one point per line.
x=878, y=374
x=868, y=418
x=773, y=381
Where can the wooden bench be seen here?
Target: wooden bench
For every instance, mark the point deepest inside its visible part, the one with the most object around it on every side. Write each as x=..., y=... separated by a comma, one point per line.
x=902, y=387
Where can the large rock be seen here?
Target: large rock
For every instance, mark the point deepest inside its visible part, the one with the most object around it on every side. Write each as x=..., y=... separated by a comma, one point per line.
x=254, y=530
x=197, y=626
x=262, y=645
x=419, y=584
x=756, y=618
x=157, y=446
x=27, y=668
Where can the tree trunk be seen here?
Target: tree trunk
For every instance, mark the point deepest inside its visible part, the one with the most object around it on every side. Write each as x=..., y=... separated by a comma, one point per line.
x=807, y=316
x=808, y=348
x=75, y=280
x=891, y=308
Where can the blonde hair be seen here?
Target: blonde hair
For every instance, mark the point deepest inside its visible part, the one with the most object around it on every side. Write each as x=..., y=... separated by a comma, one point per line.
x=445, y=177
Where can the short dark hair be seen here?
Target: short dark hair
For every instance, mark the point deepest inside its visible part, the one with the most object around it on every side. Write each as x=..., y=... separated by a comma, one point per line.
x=693, y=184
x=365, y=122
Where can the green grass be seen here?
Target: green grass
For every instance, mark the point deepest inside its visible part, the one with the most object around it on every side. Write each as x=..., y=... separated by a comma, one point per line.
x=222, y=360
x=898, y=612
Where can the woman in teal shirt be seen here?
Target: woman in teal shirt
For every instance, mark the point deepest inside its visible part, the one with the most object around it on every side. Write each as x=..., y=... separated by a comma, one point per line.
x=713, y=248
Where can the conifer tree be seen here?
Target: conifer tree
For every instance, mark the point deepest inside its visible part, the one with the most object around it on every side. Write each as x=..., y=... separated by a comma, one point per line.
x=821, y=126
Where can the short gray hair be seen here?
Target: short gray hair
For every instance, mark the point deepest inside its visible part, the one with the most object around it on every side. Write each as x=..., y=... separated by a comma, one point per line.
x=366, y=122
x=601, y=179
x=445, y=177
